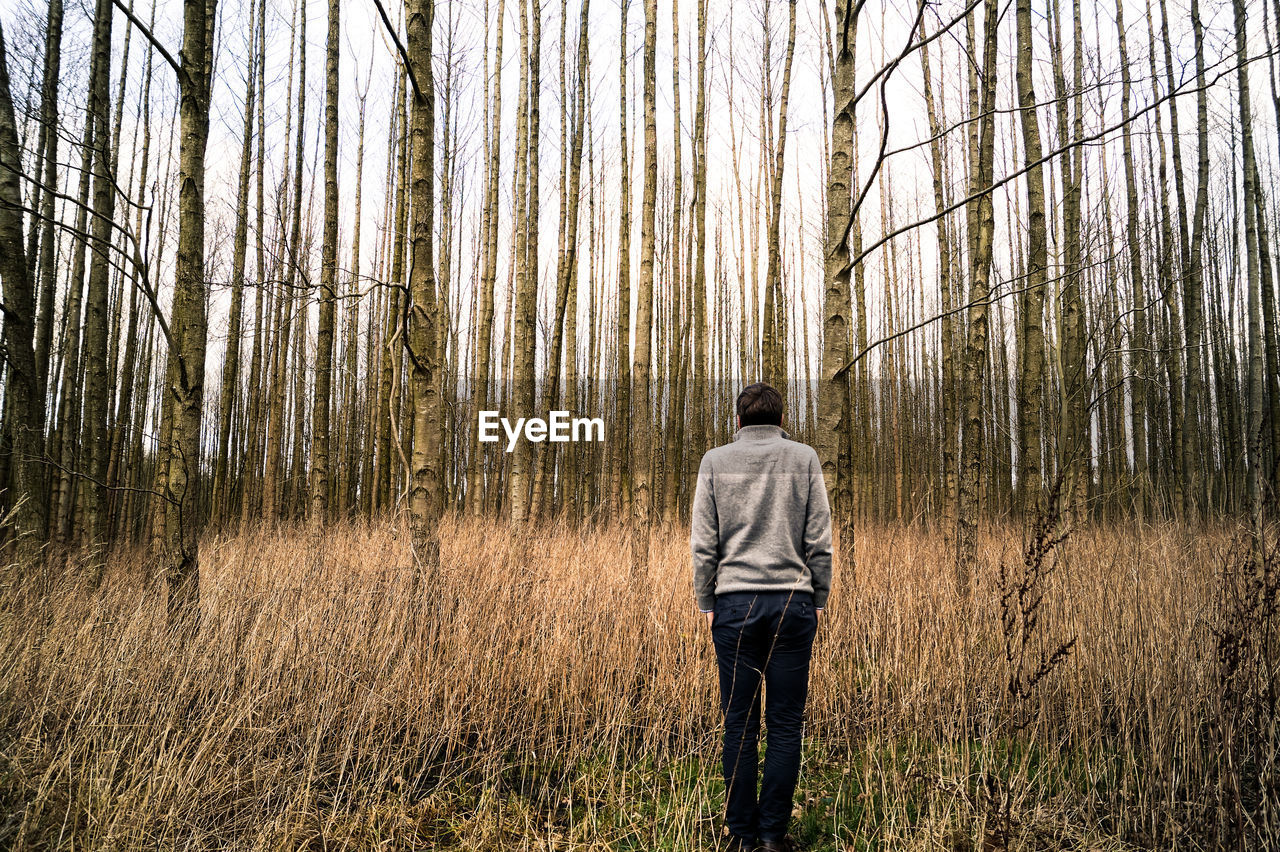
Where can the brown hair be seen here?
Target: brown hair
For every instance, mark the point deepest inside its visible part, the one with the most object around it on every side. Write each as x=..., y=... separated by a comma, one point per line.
x=759, y=404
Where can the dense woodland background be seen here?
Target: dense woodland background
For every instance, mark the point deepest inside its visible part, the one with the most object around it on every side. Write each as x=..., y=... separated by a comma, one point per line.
x=266, y=261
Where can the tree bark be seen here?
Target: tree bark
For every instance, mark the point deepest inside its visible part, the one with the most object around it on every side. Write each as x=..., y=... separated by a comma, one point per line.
x=22, y=394
x=1253, y=298
x=775, y=323
x=48, y=260
x=328, y=283
x=524, y=338
x=489, y=275
x=425, y=502
x=833, y=414
x=975, y=355
x=182, y=566
x=1031, y=355
x=641, y=419
x=240, y=245
x=622, y=482
x=95, y=437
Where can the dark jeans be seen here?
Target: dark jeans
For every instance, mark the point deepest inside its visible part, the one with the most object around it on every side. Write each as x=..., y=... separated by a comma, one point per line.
x=762, y=636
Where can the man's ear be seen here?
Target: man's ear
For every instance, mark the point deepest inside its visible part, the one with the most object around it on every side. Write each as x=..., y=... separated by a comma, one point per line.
x=739, y=419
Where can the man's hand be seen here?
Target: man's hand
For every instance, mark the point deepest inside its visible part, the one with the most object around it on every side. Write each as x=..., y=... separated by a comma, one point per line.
x=710, y=616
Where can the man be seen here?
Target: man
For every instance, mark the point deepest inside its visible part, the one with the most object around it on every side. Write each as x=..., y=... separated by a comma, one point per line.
x=761, y=543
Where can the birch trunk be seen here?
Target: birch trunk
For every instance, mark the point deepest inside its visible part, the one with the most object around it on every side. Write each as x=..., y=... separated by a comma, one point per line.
x=425, y=503
x=328, y=283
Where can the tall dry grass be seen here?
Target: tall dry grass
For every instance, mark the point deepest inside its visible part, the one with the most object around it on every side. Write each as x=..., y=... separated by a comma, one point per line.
x=537, y=695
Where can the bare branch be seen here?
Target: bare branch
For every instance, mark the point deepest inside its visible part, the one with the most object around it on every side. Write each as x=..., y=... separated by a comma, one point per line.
x=168, y=57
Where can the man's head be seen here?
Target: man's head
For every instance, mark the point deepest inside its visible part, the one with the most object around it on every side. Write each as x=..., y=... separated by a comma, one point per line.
x=758, y=405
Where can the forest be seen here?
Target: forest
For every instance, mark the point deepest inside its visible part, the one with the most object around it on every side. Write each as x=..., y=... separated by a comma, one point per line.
x=265, y=262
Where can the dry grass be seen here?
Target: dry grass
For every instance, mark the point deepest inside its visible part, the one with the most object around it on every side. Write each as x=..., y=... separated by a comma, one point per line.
x=535, y=696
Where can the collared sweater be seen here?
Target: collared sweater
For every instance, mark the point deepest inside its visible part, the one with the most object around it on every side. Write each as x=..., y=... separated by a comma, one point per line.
x=761, y=521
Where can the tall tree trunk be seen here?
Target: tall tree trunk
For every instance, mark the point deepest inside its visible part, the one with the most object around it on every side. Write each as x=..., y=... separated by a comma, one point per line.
x=1253, y=299
x=975, y=355
x=947, y=282
x=699, y=410
x=568, y=262
x=833, y=414
x=678, y=361
x=489, y=275
x=129, y=387
x=425, y=502
x=524, y=338
x=1031, y=356
x=622, y=484
x=48, y=258
x=240, y=246
x=23, y=399
x=352, y=447
x=273, y=488
x=1270, y=320
x=642, y=415
x=775, y=324
x=96, y=439
x=1073, y=444
x=328, y=282
x=70, y=401
x=1140, y=363
x=391, y=342
x=182, y=566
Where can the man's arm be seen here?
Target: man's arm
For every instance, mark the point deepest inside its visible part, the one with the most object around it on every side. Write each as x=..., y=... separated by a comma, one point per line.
x=817, y=534
x=704, y=538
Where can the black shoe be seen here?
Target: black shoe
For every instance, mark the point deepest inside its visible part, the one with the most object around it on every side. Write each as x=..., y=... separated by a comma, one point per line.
x=739, y=844
x=786, y=844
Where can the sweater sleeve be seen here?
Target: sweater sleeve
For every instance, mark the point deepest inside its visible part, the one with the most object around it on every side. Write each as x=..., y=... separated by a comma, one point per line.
x=817, y=534
x=704, y=538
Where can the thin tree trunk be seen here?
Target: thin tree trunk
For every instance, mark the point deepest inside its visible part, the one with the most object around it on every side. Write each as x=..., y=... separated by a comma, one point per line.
x=775, y=325
x=96, y=439
x=975, y=356
x=622, y=475
x=489, y=237
x=125, y=417
x=351, y=445
x=566, y=271
x=1073, y=445
x=524, y=335
x=1254, y=438
x=182, y=567
x=1031, y=360
x=699, y=413
x=48, y=258
x=328, y=283
x=641, y=420
x=1140, y=362
x=947, y=283
x=25, y=404
x=833, y=413
x=240, y=245
x=425, y=503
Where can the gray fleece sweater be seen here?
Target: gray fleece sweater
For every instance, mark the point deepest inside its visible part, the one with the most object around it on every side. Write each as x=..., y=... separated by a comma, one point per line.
x=761, y=521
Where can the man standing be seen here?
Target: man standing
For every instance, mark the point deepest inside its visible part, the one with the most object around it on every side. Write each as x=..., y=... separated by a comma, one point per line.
x=761, y=543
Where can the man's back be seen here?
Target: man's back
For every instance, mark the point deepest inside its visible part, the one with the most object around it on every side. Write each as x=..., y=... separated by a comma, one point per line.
x=761, y=543
x=760, y=521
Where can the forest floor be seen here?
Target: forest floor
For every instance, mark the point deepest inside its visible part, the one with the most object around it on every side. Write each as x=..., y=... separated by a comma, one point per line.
x=536, y=692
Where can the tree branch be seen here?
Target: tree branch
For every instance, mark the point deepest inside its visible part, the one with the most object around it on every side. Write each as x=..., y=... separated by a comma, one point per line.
x=404, y=54
x=168, y=57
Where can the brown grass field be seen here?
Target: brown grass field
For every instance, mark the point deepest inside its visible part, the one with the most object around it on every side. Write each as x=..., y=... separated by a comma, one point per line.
x=536, y=695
